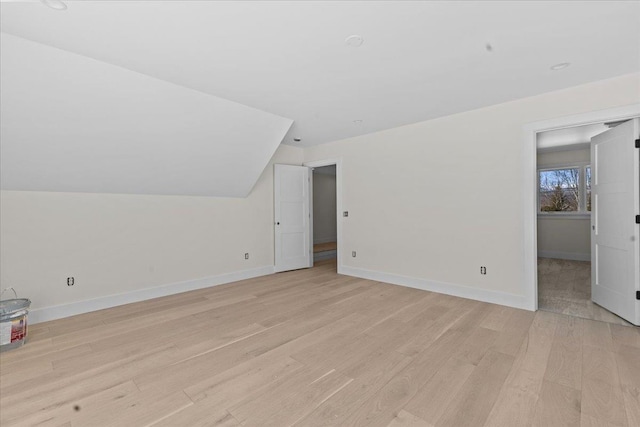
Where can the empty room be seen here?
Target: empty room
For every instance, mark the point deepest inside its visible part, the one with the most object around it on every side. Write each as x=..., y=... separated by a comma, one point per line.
x=313, y=213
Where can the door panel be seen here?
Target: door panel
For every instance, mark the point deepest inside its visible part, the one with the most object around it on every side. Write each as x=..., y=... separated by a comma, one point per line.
x=292, y=231
x=615, y=254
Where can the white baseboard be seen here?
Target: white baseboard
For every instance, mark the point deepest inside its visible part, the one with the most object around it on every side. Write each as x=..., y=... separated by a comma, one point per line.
x=573, y=256
x=462, y=291
x=319, y=256
x=80, y=307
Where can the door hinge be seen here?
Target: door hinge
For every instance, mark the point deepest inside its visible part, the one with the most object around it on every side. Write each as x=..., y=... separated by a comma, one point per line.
x=637, y=143
x=637, y=294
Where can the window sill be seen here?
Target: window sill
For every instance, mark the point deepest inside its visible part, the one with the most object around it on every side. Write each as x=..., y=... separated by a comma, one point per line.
x=565, y=215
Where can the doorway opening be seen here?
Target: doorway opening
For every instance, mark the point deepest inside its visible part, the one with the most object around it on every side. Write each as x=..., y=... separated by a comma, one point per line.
x=293, y=200
x=615, y=166
x=325, y=231
x=326, y=212
x=564, y=222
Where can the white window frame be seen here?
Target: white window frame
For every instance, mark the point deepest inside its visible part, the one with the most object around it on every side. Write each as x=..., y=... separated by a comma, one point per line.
x=582, y=211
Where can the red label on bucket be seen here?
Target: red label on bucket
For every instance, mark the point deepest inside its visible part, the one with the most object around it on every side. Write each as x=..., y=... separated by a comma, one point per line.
x=18, y=329
x=13, y=330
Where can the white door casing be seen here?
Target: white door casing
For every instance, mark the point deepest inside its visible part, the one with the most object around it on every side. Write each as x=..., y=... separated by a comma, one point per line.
x=615, y=236
x=292, y=217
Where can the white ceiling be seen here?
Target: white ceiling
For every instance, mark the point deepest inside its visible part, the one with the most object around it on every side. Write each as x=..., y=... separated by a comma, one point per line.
x=73, y=124
x=419, y=60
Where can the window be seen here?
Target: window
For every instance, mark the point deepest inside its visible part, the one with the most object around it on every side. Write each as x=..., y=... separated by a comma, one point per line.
x=564, y=190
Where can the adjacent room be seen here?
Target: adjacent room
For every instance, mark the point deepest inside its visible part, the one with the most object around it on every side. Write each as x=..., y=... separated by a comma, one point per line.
x=312, y=213
x=325, y=231
x=565, y=223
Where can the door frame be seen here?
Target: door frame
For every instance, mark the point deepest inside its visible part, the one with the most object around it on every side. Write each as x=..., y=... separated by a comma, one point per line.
x=530, y=187
x=318, y=164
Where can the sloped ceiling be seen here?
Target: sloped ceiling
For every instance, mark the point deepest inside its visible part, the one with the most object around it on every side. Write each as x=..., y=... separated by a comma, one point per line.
x=419, y=60
x=71, y=123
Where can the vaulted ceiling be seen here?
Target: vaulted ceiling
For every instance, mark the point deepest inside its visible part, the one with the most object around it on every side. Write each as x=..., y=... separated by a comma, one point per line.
x=418, y=60
x=70, y=123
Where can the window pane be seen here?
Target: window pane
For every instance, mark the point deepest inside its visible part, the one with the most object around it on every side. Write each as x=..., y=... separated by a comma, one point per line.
x=559, y=191
x=588, y=186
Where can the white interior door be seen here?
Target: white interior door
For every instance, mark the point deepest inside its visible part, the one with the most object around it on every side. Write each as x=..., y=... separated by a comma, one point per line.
x=292, y=222
x=615, y=254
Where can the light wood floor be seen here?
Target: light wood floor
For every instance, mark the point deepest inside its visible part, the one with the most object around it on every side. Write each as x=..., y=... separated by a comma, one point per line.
x=312, y=348
x=564, y=286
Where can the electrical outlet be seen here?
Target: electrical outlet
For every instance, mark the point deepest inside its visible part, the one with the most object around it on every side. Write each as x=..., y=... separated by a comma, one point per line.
x=483, y=270
x=71, y=281
x=246, y=255
x=353, y=254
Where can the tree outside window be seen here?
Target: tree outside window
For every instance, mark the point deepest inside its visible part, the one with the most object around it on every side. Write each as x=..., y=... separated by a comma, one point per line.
x=559, y=190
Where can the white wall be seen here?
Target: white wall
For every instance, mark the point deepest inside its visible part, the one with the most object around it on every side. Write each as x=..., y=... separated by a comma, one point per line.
x=324, y=207
x=428, y=204
x=564, y=237
x=431, y=202
x=550, y=159
x=114, y=244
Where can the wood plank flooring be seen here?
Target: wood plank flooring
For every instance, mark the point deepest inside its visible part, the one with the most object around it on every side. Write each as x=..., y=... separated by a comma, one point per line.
x=311, y=348
x=323, y=247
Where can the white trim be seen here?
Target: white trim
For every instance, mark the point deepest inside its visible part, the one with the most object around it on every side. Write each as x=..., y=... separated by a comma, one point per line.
x=573, y=256
x=339, y=207
x=564, y=165
x=495, y=297
x=59, y=311
x=311, y=219
x=529, y=184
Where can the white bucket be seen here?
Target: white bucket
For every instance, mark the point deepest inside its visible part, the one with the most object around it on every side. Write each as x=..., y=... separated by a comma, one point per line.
x=13, y=321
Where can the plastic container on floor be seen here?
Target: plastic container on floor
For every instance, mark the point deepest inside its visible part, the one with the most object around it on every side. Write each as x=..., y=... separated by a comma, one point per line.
x=13, y=321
